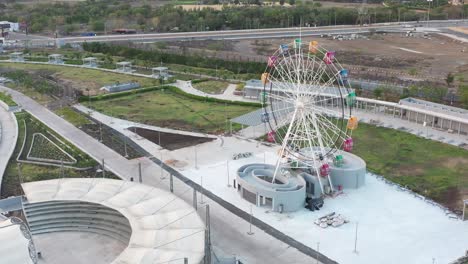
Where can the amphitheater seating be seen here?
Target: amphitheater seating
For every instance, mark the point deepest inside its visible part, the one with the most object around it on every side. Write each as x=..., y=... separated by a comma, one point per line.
x=64, y=216
x=157, y=226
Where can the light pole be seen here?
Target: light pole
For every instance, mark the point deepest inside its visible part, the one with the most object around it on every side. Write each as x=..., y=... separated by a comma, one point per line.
x=428, y=12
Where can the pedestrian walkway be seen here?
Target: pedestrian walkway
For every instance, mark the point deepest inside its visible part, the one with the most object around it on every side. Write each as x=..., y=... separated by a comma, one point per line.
x=383, y=120
x=228, y=94
x=8, y=138
x=229, y=231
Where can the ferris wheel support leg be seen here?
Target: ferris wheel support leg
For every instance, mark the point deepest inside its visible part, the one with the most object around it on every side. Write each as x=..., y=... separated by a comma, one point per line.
x=314, y=121
x=317, y=171
x=285, y=142
x=316, y=167
x=331, y=184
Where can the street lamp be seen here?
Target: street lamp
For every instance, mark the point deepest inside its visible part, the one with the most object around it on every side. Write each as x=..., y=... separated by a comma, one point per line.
x=428, y=12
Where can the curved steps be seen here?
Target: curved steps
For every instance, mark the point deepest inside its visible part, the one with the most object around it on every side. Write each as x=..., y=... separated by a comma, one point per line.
x=76, y=216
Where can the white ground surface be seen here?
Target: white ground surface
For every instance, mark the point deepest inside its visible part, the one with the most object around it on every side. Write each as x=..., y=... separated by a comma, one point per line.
x=393, y=226
x=77, y=248
x=13, y=244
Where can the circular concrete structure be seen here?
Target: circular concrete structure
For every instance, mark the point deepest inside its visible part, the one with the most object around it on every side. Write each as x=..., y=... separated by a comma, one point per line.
x=291, y=187
x=351, y=172
x=163, y=227
x=286, y=194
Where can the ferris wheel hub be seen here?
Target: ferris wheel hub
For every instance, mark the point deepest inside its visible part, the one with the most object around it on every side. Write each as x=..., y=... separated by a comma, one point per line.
x=300, y=105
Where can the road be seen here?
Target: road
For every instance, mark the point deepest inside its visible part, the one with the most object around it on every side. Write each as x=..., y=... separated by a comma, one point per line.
x=229, y=232
x=260, y=33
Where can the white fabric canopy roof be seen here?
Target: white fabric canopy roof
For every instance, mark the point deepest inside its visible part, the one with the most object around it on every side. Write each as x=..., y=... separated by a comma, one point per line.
x=164, y=227
x=13, y=245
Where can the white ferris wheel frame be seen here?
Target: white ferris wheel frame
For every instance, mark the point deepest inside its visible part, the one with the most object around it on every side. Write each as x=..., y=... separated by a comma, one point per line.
x=298, y=91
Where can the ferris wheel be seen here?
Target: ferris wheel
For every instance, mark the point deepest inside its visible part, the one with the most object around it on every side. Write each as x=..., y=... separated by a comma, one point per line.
x=308, y=106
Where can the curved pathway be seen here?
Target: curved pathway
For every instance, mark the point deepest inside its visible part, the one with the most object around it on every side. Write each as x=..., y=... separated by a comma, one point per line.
x=8, y=138
x=229, y=231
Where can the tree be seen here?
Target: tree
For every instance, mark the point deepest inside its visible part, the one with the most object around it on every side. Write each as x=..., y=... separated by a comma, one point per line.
x=292, y=2
x=378, y=92
x=98, y=25
x=449, y=79
x=463, y=91
x=281, y=2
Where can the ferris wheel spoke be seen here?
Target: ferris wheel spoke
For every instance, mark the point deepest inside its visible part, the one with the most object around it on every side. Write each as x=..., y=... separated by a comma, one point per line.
x=328, y=111
x=309, y=119
x=327, y=84
x=282, y=86
x=282, y=96
x=332, y=127
x=285, y=76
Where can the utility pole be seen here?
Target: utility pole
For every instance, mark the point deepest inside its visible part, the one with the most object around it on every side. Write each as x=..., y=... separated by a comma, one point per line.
x=103, y=169
x=195, y=199
x=140, y=178
x=355, y=239
x=250, y=222
x=207, y=236
x=428, y=12
x=227, y=168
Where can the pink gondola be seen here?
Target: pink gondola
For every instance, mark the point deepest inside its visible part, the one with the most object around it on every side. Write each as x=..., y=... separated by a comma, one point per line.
x=325, y=170
x=271, y=136
x=348, y=145
x=329, y=57
x=272, y=61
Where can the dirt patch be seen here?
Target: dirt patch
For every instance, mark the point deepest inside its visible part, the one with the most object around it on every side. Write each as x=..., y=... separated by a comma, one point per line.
x=452, y=199
x=111, y=140
x=455, y=162
x=410, y=170
x=170, y=141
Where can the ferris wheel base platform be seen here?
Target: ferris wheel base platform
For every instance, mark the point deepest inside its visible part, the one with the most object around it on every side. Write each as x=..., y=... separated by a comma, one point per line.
x=351, y=174
x=288, y=193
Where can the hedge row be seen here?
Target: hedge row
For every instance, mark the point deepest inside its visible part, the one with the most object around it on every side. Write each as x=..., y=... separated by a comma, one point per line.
x=199, y=80
x=156, y=56
x=6, y=98
x=118, y=94
x=170, y=88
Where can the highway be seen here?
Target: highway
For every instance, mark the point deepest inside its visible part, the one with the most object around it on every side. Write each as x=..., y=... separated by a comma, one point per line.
x=441, y=25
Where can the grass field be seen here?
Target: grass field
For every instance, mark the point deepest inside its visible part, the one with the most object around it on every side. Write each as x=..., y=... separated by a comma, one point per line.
x=167, y=109
x=433, y=169
x=72, y=116
x=82, y=78
x=211, y=87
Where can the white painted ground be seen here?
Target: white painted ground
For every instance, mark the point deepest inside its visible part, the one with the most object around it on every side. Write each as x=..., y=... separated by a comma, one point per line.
x=393, y=225
x=409, y=50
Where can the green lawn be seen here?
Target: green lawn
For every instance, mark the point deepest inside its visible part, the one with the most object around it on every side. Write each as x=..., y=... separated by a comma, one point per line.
x=72, y=116
x=436, y=170
x=82, y=78
x=167, y=109
x=211, y=87
x=35, y=126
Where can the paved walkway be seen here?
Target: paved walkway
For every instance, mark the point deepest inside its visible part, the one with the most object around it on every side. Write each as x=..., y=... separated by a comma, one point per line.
x=229, y=232
x=77, y=248
x=228, y=94
x=383, y=120
x=8, y=138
